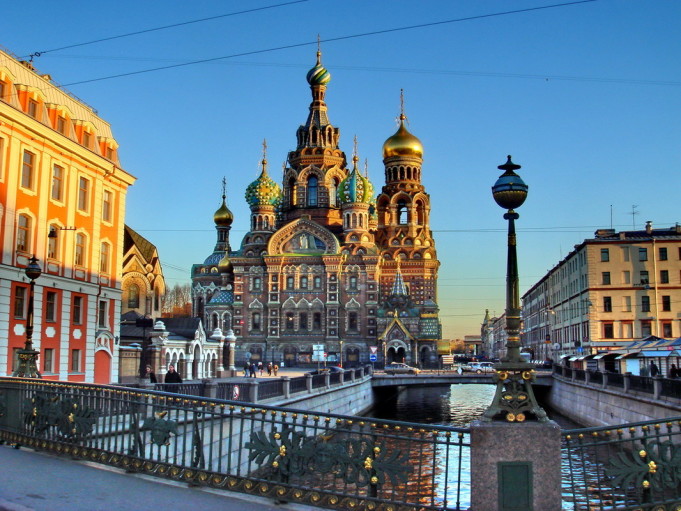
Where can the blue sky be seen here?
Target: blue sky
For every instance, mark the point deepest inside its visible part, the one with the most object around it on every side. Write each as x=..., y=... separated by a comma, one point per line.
x=585, y=97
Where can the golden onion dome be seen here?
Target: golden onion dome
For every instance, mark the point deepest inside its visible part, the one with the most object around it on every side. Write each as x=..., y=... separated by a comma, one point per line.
x=402, y=143
x=223, y=216
x=225, y=265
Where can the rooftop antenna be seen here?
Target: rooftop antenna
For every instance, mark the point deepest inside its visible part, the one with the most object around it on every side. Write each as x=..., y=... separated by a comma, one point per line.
x=633, y=216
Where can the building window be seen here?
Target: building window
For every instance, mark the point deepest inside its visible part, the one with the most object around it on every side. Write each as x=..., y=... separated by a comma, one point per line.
x=86, y=138
x=644, y=277
x=608, y=331
x=642, y=254
x=317, y=282
x=645, y=304
x=257, y=283
x=107, y=206
x=666, y=303
x=662, y=253
x=667, y=330
x=50, y=307
x=20, y=302
x=133, y=296
x=664, y=276
x=303, y=321
x=289, y=282
x=81, y=243
x=607, y=304
x=28, y=170
x=606, y=278
x=353, y=282
x=104, y=258
x=352, y=321
x=83, y=194
x=57, y=192
x=316, y=321
x=289, y=322
x=312, y=188
x=77, y=311
x=24, y=234
x=402, y=215
x=53, y=243
x=61, y=125
x=646, y=329
x=255, y=321
x=303, y=282
x=102, y=314
x=75, y=361
x=32, y=109
x=605, y=255
x=48, y=360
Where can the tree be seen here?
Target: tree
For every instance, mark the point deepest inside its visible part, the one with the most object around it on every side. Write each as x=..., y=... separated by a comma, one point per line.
x=177, y=301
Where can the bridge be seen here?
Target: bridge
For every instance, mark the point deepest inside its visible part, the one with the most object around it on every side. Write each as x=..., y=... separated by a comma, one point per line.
x=444, y=378
x=341, y=461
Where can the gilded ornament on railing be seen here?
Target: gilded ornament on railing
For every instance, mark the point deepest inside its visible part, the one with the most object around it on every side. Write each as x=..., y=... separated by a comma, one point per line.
x=161, y=428
x=658, y=465
x=360, y=461
x=45, y=412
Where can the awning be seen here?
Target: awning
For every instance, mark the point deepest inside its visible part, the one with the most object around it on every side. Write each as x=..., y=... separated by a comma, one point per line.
x=608, y=353
x=572, y=359
x=564, y=356
x=631, y=354
x=585, y=357
x=660, y=353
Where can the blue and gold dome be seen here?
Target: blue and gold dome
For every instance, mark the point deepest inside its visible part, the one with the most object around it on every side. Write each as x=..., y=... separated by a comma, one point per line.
x=264, y=191
x=318, y=75
x=355, y=187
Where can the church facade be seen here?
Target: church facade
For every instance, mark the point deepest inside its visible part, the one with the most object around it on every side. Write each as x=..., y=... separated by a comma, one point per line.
x=327, y=264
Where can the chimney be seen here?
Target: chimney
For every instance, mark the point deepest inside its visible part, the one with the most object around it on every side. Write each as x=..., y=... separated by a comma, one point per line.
x=649, y=227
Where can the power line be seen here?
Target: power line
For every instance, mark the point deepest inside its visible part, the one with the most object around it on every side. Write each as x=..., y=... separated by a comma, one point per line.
x=164, y=27
x=329, y=40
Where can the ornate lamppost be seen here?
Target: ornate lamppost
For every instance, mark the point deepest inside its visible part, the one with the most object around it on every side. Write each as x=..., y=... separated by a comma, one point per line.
x=27, y=367
x=514, y=397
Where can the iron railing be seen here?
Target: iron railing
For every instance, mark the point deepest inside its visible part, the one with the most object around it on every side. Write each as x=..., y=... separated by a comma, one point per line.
x=616, y=380
x=635, y=467
x=641, y=383
x=326, y=460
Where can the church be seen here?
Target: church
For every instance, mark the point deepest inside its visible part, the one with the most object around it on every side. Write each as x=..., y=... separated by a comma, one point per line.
x=328, y=267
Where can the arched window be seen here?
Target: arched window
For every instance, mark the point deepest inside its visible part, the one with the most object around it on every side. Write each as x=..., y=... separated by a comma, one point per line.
x=303, y=321
x=312, y=183
x=352, y=321
x=133, y=296
x=255, y=321
x=24, y=234
x=402, y=214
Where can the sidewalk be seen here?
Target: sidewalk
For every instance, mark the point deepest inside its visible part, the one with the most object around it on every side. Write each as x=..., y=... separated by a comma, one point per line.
x=34, y=481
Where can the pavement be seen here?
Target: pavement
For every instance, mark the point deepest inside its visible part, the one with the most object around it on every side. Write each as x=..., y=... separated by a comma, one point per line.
x=36, y=481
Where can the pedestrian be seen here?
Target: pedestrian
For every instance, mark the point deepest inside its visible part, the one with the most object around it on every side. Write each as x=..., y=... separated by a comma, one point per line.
x=644, y=370
x=269, y=369
x=260, y=368
x=673, y=371
x=654, y=370
x=150, y=374
x=253, y=371
x=275, y=369
x=174, y=378
x=247, y=368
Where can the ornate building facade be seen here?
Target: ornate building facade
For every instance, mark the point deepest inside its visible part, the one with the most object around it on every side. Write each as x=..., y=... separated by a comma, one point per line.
x=326, y=261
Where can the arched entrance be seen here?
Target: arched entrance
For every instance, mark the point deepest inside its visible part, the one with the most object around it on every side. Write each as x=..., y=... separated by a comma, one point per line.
x=396, y=351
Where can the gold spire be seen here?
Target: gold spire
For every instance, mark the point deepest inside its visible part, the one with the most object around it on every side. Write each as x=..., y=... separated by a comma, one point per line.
x=402, y=143
x=224, y=187
x=402, y=116
x=264, y=155
x=355, y=158
x=319, y=50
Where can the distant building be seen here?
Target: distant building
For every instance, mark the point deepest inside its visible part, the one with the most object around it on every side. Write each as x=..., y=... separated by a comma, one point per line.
x=143, y=281
x=493, y=336
x=326, y=262
x=62, y=199
x=612, y=289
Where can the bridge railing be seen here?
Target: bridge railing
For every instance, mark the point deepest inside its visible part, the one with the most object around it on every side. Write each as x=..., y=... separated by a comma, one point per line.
x=290, y=455
x=622, y=468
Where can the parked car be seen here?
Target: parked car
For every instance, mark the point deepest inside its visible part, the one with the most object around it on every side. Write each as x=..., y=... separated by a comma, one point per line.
x=400, y=368
x=479, y=367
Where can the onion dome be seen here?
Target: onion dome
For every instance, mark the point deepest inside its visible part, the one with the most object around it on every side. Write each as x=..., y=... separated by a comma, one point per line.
x=264, y=191
x=225, y=265
x=318, y=75
x=355, y=187
x=403, y=143
x=223, y=216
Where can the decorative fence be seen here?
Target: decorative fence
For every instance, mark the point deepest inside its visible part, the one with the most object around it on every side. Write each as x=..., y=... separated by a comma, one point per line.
x=289, y=455
x=633, y=467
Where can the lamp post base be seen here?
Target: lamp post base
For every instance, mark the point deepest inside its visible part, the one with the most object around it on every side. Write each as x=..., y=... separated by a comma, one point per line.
x=514, y=398
x=27, y=367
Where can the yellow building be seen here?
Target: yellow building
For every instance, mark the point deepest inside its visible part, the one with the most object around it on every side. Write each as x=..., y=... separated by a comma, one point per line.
x=62, y=199
x=613, y=289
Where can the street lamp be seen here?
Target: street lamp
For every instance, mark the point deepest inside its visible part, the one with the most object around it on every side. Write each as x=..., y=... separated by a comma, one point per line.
x=27, y=367
x=514, y=396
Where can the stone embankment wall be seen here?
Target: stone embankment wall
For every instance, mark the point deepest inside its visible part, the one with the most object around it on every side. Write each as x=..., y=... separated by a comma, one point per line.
x=593, y=406
x=348, y=399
